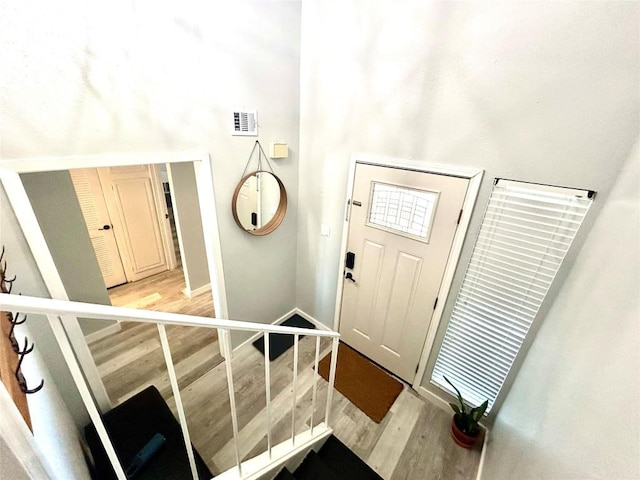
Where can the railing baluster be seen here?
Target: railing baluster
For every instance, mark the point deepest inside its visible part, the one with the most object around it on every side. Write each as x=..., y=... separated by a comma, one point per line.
x=332, y=379
x=56, y=310
x=315, y=382
x=267, y=387
x=173, y=379
x=232, y=397
x=76, y=372
x=295, y=385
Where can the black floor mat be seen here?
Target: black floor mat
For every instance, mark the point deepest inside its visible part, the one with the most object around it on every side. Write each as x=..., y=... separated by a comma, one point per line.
x=280, y=343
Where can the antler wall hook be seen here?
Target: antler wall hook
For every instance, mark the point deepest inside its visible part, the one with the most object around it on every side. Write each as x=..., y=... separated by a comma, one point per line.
x=26, y=350
x=3, y=272
x=19, y=376
x=12, y=338
x=10, y=282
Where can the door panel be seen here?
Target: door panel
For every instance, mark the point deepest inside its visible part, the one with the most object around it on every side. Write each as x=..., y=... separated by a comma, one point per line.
x=94, y=209
x=133, y=203
x=403, y=291
x=401, y=234
x=360, y=305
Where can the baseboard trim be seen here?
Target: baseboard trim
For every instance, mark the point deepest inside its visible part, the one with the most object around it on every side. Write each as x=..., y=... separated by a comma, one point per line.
x=487, y=432
x=309, y=318
x=197, y=291
x=257, y=335
x=434, y=399
x=102, y=333
x=302, y=313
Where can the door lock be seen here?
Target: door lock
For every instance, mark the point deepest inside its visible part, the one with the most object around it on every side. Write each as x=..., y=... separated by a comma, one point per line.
x=350, y=260
x=349, y=276
x=105, y=227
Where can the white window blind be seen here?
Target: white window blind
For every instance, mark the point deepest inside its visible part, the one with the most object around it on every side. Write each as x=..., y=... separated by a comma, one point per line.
x=525, y=234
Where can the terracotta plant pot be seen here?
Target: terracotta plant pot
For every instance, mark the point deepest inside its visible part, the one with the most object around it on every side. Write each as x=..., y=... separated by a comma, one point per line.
x=465, y=441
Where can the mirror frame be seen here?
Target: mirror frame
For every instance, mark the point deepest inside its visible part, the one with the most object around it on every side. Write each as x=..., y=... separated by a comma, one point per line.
x=277, y=218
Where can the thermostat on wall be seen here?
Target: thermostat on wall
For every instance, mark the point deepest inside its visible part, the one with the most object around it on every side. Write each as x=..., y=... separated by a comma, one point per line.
x=278, y=150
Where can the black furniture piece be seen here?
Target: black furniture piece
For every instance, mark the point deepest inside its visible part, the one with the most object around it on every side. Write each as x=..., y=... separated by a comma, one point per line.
x=130, y=426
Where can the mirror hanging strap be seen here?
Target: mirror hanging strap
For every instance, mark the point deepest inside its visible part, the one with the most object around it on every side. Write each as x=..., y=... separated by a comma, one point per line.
x=261, y=154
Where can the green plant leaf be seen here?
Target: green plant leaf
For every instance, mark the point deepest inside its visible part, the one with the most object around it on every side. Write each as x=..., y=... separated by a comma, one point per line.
x=478, y=412
x=462, y=406
x=455, y=408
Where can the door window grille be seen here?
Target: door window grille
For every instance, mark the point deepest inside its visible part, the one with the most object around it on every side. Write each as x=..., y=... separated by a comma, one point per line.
x=403, y=210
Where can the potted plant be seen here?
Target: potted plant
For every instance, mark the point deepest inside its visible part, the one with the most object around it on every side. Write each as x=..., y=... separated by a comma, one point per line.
x=464, y=426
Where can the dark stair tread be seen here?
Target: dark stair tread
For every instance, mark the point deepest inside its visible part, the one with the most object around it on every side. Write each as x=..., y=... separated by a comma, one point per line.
x=284, y=475
x=281, y=342
x=313, y=468
x=340, y=458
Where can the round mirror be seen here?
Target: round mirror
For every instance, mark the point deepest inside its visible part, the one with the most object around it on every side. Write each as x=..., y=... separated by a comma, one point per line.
x=259, y=203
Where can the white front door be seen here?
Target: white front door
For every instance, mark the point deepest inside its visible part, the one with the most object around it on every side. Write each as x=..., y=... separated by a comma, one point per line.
x=401, y=230
x=99, y=225
x=134, y=208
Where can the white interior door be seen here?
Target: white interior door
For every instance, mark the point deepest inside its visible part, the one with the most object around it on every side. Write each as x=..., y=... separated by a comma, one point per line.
x=134, y=208
x=401, y=230
x=99, y=225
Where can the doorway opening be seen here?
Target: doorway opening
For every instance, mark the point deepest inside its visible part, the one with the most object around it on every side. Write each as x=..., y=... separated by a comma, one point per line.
x=199, y=165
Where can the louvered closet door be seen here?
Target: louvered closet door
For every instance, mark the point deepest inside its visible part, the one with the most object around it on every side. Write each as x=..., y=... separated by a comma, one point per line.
x=96, y=216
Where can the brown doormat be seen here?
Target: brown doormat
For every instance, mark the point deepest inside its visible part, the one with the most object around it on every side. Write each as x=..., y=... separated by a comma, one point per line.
x=366, y=385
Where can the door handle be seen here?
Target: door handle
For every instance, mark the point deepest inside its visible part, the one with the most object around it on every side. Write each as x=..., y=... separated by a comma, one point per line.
x=348, y=276
x=105, y=227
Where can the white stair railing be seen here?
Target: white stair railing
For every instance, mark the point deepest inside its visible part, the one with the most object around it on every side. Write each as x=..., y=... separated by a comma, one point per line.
x=58, y=310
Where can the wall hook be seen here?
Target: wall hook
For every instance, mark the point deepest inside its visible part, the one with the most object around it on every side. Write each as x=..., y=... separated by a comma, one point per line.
x=23, y=384
x=19, y=376
x=12, y=338
x=26, y=350
x=10, y=282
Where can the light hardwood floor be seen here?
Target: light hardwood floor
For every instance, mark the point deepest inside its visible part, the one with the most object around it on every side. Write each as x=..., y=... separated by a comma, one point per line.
x=162, y=293
x=412, y=442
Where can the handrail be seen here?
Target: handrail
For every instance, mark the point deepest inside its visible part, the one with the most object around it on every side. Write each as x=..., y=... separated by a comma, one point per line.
x=46, y=306
x=57, y=310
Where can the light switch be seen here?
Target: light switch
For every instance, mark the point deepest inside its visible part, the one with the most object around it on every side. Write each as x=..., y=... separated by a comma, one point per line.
x=325, y=230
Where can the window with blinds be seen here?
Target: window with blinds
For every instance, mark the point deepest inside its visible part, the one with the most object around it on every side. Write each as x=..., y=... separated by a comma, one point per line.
x=525, y=234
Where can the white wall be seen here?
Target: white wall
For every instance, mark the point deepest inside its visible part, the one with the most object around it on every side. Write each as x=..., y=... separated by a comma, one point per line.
x=55, y=417
x=542, y=92
x=189, y=220
x=571, y=412
x=84, y=77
